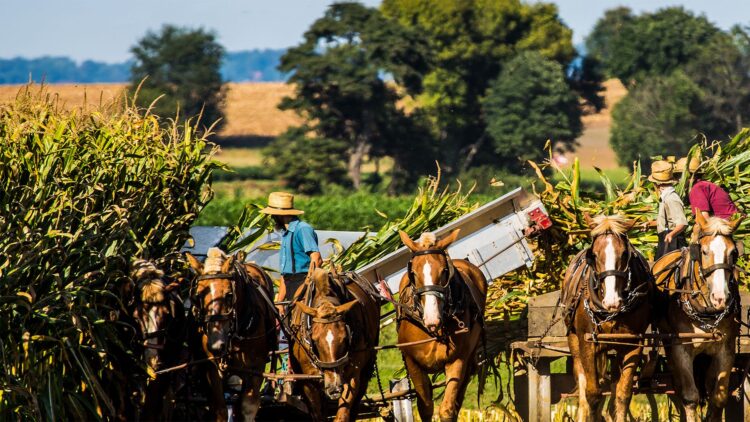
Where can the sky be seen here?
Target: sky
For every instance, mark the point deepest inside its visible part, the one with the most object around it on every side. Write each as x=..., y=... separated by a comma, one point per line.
x=104, y=30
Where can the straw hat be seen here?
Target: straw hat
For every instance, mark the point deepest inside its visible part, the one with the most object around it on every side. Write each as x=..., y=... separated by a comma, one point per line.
x=661, y=173
x=281, y=203
x=695, y=163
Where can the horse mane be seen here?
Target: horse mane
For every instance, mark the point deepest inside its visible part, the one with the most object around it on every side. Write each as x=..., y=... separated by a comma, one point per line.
x=717, y=226
x=427, y=240
x=142, y=269
x=152, y=291
x=215, y=258
x=609, y=223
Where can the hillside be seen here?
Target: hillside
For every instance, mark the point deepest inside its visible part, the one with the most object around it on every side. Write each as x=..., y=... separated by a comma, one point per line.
x=251, y=112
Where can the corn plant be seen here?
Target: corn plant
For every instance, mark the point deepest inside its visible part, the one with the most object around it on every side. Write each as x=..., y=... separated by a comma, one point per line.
x=81, y=194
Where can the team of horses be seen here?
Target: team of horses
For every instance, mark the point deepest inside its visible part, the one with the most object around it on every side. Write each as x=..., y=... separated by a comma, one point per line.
x=226, y=328
x=609, y=289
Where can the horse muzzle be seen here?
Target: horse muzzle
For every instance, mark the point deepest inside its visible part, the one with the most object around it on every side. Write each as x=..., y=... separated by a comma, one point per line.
x=334, y=391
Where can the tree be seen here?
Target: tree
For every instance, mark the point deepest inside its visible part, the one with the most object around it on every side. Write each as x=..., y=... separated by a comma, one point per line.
x=472, y=40
x=599, y=41
x=721, y=70
x=307, y=163
x=655, y=44
x=661, y=116
x=339, y=76
x=183, y=65
x=529, y=103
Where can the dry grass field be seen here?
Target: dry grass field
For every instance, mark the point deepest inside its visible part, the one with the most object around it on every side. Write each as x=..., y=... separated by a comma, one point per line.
x=251, y=112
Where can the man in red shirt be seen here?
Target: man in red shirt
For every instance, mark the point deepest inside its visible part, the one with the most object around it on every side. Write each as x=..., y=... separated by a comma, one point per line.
x=706, y=197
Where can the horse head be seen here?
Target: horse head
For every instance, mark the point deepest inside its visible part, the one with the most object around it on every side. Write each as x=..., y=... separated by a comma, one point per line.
x=154, y=310
x=214, y=298
x=718, y=254
x=609, y=257
x=430, y=270
x=329, y=333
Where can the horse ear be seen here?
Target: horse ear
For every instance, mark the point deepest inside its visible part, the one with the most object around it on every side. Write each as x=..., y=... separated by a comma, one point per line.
x=629, y=224
x=194, y=263
x=342, y=309
x=700, y=219
x=306, y=309
x=447, y=240
x=241, y=256
x=407, y=241
x=734, y=224
x=588, y=220
x=228, y=264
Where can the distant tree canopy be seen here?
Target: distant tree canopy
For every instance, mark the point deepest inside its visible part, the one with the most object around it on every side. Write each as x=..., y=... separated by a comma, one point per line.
x=339, y=76
x=181, y=64
x=472, y=41
x=529, y=103
x=238, y=66
x=633, y=48
x=686, y=78
x=661, y=116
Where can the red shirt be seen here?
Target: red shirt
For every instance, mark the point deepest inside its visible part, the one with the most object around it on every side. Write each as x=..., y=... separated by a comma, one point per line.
x=706, y=196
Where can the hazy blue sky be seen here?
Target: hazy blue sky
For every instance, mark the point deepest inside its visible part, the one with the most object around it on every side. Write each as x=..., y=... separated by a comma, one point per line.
x=105, y=29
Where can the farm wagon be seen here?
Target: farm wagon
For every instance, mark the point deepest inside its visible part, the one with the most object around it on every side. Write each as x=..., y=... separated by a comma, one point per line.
x=546, y=377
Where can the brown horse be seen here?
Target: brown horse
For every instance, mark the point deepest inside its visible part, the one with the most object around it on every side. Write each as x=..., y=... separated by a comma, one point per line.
x=236, y=327
x=162, y=327
x=442, y=299
x=706, y=301
x=335, y=328
x=607, y=289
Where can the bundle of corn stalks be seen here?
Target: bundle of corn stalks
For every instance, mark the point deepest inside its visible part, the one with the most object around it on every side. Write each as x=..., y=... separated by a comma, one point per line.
x=432, y=208
x=81, y=194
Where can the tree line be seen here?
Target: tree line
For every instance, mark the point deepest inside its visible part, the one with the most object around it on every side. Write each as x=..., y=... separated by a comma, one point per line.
x=237, y=66
x=478, y=86
x=686, y=79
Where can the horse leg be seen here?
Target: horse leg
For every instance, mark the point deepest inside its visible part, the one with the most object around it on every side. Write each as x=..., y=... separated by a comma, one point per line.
x=348, y=397
x=423, y=388
x=681, y=363
x=587, y=386
x=717, y=382
x=312, y=393
x=628, y=364
x=455, y=383
x=251, y=398
x=216, y=401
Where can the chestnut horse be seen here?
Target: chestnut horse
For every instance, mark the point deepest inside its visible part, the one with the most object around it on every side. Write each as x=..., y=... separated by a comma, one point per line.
x=236, y=327
x=607, y=289
x=442, y=299
x=335, y=328
x=162, y=328
x=706, y=301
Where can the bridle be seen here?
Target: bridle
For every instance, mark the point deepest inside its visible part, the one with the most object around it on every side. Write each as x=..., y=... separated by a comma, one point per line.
x=706, y=318
x=441, y=289
x=231, y=316
x=162, y=333
x=592, y=304
x=338, y=363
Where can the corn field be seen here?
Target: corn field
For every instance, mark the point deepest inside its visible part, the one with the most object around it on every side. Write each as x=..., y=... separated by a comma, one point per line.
x=82, y=193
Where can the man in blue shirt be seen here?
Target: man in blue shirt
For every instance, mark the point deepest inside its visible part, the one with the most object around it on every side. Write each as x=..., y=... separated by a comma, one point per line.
x=299, y=244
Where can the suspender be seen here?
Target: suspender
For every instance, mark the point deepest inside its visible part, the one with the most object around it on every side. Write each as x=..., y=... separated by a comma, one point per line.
x=291, y=250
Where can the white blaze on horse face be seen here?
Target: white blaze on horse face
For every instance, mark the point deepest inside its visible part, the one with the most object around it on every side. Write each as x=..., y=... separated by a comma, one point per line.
x=431, y=311
x=329, y=340
x=611, y=297
x=719, y=288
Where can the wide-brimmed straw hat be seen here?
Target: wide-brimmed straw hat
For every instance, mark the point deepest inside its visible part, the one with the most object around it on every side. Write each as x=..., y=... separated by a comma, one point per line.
x=281, y=203
x=694, y=165
x=661, y=173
